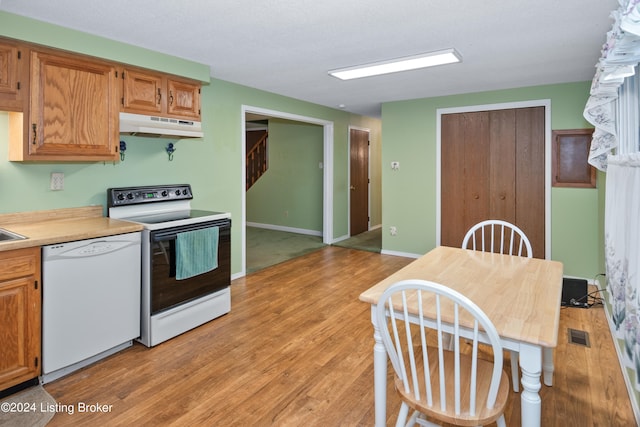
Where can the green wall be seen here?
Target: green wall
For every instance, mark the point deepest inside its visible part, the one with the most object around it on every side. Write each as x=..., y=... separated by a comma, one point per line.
x=409, y=195
x=289, y=194
x=212, y=165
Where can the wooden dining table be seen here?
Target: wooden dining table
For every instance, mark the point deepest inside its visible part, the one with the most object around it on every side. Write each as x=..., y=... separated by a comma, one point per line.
x=520, y=295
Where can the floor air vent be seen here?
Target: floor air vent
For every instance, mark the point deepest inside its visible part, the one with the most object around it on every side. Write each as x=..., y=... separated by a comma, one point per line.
x=579, y=337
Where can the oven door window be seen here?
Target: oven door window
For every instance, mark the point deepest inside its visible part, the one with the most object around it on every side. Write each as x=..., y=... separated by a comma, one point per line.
x=166, y=291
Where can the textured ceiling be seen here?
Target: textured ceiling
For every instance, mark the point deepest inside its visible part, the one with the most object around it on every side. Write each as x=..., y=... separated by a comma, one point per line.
x=287, y=46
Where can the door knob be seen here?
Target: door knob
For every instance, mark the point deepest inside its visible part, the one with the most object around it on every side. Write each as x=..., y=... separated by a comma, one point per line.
x=353, y=188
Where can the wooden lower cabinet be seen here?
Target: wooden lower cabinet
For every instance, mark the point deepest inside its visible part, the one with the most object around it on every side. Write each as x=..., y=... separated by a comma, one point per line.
x=20, y=316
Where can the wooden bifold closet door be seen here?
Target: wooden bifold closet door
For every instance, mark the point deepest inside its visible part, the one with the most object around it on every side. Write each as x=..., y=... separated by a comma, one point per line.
x=493, y=168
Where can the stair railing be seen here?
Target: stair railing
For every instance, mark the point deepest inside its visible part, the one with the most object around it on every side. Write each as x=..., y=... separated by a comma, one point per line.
x=257, y=160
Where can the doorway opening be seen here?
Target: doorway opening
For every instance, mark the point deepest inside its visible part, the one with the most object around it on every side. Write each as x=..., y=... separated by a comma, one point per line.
x=327, y=170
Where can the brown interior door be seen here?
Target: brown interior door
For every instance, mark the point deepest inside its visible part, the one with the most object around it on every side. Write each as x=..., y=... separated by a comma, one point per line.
x=493, y=168
x=359, y=181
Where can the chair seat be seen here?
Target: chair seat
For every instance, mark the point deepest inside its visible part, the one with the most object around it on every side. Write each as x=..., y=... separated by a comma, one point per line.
x=483, y=414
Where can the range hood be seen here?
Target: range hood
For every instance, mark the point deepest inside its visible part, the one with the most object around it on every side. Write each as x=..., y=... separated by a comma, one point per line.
x=155, y=126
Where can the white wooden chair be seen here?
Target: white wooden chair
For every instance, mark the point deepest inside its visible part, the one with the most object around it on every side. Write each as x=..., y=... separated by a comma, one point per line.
x=499, y=236
x=450, y=386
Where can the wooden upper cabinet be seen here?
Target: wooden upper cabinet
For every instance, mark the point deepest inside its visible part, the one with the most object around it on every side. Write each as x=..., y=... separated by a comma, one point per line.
x=184, y=99
x=73, y=109
x=142, y=92
x=65, y=107
x=148, y=92
x=11, y=74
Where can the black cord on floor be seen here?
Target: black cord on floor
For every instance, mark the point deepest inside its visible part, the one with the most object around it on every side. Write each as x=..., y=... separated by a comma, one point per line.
x=585, y=299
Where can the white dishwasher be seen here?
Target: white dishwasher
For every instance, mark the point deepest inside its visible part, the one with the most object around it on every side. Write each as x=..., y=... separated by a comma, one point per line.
x=90, y=301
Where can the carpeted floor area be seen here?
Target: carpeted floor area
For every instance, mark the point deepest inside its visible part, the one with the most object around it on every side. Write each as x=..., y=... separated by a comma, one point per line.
x=368, y=241
x=269, y=247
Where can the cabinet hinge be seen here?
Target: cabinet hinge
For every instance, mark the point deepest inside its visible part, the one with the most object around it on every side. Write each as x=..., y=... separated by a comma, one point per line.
x=35, y=284
x=19, y=54
x=122, y=100
x=18, y=85
x=35, y=361
x=123, y=75
x=116, y=71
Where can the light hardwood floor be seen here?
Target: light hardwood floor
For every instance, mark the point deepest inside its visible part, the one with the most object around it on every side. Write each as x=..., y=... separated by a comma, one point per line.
x=297, y=350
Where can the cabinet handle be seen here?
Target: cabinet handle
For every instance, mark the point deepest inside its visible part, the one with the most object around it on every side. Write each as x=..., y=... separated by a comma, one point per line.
x=159, y=95
x=34, y=127
x=170, y=98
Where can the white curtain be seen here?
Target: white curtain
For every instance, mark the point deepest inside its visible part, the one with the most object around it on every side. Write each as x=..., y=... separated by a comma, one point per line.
x=613, y=109
x=622, y=241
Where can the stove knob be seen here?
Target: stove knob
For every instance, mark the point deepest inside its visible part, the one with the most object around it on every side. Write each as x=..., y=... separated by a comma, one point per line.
x=177, y=192
x=164, y=193
x=130, y=196
x=120, y=196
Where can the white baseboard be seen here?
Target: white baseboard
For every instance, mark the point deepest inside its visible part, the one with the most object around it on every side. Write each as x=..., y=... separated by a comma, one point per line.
x=283, y=228
x=340, y=239
x=402, y=254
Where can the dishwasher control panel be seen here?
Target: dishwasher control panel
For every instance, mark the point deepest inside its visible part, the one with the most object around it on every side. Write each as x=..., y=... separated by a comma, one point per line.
x=88, y=248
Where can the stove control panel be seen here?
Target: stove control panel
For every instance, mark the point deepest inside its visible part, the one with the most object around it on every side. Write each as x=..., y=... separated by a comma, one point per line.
x=125, y=196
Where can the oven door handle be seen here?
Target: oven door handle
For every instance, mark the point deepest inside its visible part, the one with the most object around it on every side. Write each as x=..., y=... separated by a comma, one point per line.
x=171, y=233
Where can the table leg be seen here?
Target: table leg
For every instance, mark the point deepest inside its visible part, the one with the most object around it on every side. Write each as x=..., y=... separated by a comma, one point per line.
x=547, y=366
x=379, y=374
x=531, y=365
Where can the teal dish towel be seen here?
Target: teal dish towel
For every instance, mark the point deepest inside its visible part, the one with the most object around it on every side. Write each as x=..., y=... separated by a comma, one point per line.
x=196, y=252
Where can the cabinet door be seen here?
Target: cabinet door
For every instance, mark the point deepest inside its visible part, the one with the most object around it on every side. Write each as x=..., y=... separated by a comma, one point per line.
x=10, y=74
x=73, y=110
x=142, y=92
x=184, y=99
x=19, y=316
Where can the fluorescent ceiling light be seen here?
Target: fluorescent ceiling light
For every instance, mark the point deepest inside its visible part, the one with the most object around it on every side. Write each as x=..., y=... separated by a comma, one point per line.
x=441, y=57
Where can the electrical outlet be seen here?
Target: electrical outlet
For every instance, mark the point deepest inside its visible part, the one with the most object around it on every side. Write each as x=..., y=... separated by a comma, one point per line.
x=395, y=166
x=393, y=230
x=57, y=181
